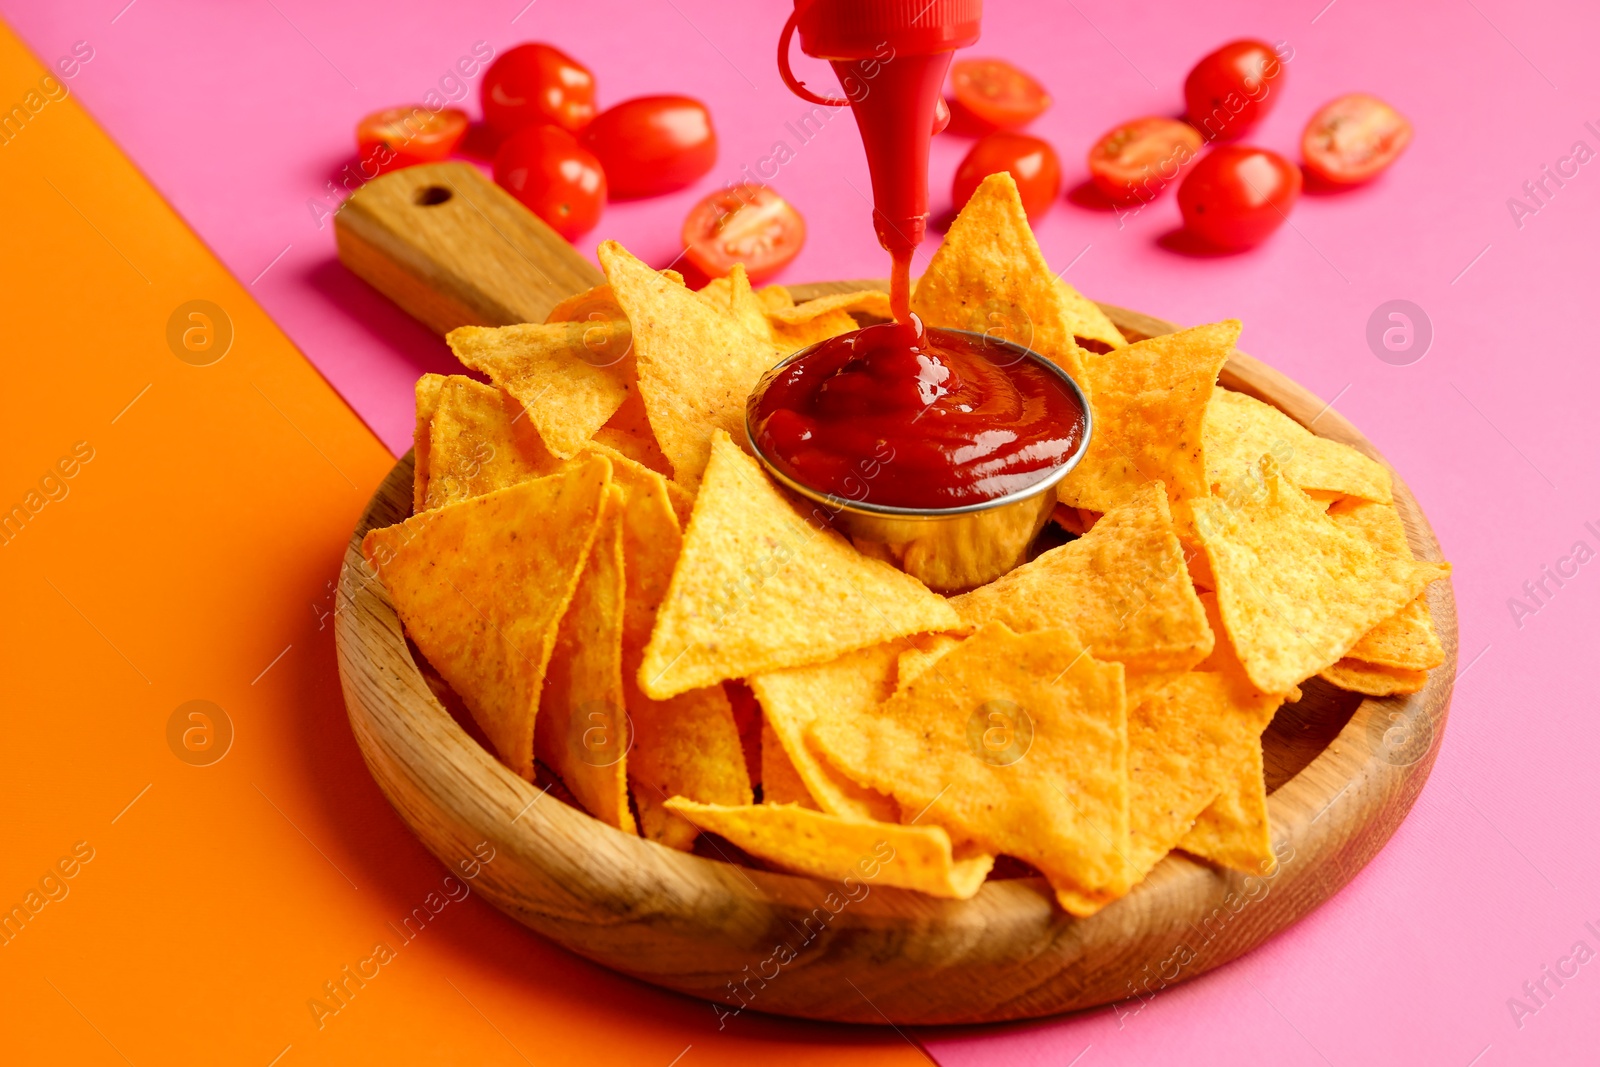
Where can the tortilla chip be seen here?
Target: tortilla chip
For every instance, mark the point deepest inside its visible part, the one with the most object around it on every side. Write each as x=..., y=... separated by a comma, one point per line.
x=1233, y=831
x=689, y=744
x=873, y=302
x=1089, y=323
x=477, y=444
x=801, y=325
x=1123, y=588
x=582, y=732
x=1406, y=640
x=428, y=389
x=570, y=376
x=696, y=365
x=1295, y=590
x=595, y=303
x=815, y=843
x=1149, y=405
x=733, y=296
x=774, y=298
x=990, y=277
x=481, y=587
x=1060, y=804
x=780, y=782
x=1374, y=680
x=1185, y=743
x=628, y=431
x=841, y=690
x=925, y=651
x=1240, y=429
x=758, y=589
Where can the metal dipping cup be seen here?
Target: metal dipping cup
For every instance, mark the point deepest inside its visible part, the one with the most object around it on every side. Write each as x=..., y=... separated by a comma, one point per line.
x=950, y=550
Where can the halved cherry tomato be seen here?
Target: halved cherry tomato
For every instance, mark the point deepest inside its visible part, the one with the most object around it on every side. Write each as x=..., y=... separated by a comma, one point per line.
x=1353, y=138
x=400, y=136
x=747, y=224
x=1236, y=196
x=1031, y=162
x=534, y=85
x=554, y=176
x=653, y=144
x=1139, y=159
x=991, y=94
x=1233, y=88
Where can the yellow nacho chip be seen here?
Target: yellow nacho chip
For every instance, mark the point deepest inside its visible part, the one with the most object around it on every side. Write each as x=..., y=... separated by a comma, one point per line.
x=1374, y=680
x=1240, y=429
x=1234, y=831
x=1295, y=590
x=780, y=782
x=1020, y=745
x=989, y=276
x=481, y=587
x=758, y=589
x=841, y=689
x=477, y=444
x=689, y=744
x=874, y=302
x=1185, y=743
x=826, y=846
x=774, y=298
x=428, y=389
x=582, y=733
x=696, y=365
x=628, y=431
x=1149, y=405
x=1123, y=588
x=925, y=651
x=733, y=296
x=1406, y=640
x=1089, y=323
x=570, y=376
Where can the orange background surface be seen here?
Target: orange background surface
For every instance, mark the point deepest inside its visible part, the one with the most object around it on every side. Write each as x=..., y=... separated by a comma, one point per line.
x=192, y=558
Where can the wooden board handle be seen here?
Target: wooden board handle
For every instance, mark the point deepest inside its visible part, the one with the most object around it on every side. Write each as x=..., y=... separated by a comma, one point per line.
x=454, y=249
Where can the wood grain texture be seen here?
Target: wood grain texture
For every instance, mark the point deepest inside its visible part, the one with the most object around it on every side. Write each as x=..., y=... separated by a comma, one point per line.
x=454, y=249
x=1344, y=771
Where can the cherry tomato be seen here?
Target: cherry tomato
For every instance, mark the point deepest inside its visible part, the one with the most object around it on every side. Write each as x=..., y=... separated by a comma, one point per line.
x=554, y=176
x=536, y=85
x=1031, y=162
x=747, y=224
x=1233, y=88
x=400, y=136
x=991, y=94
x=1139, y=159
x=653, y=144
x=1353, y=138
x=1236, y=196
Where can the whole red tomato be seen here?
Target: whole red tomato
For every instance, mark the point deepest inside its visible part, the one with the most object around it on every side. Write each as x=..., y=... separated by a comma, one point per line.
x=1233, y=88
x=554, y=176
x=1236, y=196
x=1031, y=162
x=535, y=85
x=653, y=144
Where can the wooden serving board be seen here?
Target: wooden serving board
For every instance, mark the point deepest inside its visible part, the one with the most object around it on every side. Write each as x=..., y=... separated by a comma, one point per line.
x=1342, y=771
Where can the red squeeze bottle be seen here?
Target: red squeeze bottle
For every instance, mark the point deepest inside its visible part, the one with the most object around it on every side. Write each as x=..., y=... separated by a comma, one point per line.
x=891, y=57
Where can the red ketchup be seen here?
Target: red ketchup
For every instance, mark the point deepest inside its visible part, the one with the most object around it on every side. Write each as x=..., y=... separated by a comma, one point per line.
x=891, y=56
x=903, y=416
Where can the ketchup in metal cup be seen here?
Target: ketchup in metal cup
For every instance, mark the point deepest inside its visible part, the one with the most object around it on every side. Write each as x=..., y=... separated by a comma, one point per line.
x=891, y=57
x=903, y=416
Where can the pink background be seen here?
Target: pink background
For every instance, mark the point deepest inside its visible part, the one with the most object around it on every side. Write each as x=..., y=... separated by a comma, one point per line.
x=239, y=113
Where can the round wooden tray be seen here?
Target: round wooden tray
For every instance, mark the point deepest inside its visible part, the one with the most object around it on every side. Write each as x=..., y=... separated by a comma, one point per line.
x=1342, y=772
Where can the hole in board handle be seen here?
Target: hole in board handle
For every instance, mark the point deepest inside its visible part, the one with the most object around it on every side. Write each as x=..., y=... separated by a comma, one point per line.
x=433, y=195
